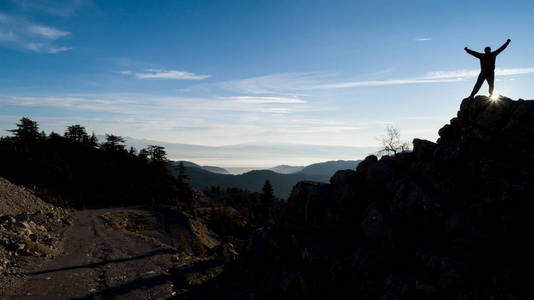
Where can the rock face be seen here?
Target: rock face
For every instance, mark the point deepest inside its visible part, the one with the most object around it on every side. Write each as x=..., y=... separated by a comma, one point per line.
x=449, y=220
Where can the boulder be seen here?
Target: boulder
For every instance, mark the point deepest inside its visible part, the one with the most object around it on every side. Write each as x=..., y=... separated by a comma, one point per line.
x=423, y=150
x=376, y=225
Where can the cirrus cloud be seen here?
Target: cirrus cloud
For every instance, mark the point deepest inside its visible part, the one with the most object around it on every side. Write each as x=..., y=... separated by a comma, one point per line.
x=170, y=74
x=19, y=33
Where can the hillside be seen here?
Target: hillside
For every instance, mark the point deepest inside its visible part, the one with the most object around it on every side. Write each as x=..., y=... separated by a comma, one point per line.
x=16, y=200
x=252, y=181
x=212, y=169
x=328, y=168
x=449, y=220
x=202, y=177
x=215, y=169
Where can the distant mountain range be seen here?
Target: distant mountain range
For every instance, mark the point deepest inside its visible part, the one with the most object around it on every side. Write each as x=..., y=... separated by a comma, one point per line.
x=329, y=168
x=247, y=157
x=285, y=169
x=211, y=169
x=202, y=177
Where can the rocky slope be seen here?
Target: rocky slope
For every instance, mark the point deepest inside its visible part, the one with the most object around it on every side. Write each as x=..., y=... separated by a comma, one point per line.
x=30, y=228
x=449, y=220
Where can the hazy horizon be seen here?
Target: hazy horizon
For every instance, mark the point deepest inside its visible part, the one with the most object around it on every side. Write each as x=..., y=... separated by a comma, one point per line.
x=241, y=158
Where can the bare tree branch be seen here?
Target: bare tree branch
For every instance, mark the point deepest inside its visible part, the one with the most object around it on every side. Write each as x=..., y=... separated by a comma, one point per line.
x=392, y=143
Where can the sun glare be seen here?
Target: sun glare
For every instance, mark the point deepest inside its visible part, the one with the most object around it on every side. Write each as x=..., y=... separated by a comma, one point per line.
x=495, y=96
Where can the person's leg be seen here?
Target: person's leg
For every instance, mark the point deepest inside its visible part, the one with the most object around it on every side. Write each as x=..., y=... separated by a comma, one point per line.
x=491, y=80
x=478, y=84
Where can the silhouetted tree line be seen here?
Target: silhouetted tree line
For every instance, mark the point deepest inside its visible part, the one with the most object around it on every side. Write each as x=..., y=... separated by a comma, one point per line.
x=255, y=209
x=75, y=170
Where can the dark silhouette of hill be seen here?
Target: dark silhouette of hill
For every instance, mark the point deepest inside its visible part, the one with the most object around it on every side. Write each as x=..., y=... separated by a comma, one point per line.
x=212, y=169
x=286, y=169
x=328, y=168
x=448, y=220
x=215, y=169
x=252, y=181
x=202, y=177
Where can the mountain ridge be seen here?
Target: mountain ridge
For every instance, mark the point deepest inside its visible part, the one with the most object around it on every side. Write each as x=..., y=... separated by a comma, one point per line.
x=253, y=181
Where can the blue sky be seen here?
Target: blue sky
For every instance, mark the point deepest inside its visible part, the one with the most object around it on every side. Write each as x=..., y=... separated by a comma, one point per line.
x=214, y=73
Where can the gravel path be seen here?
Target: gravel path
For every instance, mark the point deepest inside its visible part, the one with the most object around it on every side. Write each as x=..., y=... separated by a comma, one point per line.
x=98, y=263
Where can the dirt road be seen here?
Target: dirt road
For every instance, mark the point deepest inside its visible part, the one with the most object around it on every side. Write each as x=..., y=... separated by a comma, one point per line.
x=99, y=263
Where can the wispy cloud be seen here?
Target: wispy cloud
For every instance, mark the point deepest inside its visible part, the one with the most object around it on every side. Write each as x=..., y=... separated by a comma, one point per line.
x=351, y=84
x=264, y=100
x=125, y=72
x=274, y=83
x=423, y=39
x=430, y=77
x=58, y=49
x=7, y=36
x=170, y=74
x=145, y=104
x=292, y=83
x=19, y=33
x=47, y=32
x=474, y=73
x=322, y=129
x=295, y=83
x=452, y=74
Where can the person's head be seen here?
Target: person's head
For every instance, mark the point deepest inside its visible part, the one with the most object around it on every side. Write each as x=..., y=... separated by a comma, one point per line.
x=487, y=49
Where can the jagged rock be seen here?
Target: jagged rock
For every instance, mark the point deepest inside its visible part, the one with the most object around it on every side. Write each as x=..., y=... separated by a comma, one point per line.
x=378, y=173
x=308, y=202
x=423, y=150
x=366, y=163
x=345, y=192
x=376, y=225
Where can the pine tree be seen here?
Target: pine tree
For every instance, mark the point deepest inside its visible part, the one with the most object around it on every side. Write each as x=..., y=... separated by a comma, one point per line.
x=27, y=130
x=268, y=193
x=182, y=175
x=155, y=153
x=184, y=190
x=77, y=133
x=113, y=143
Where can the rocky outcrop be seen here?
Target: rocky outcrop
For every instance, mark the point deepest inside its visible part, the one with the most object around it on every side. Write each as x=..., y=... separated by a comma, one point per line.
x=449, y=220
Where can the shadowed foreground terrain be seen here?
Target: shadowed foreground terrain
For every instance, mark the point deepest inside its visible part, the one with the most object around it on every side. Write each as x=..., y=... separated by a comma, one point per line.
x=119, y=253
x=449, y=220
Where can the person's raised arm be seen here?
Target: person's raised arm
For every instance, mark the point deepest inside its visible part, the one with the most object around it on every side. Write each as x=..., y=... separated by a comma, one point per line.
x=502, y=47
x=474, y=53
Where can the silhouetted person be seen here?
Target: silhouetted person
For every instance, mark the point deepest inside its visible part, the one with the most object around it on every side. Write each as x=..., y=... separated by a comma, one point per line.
x=487, y=67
